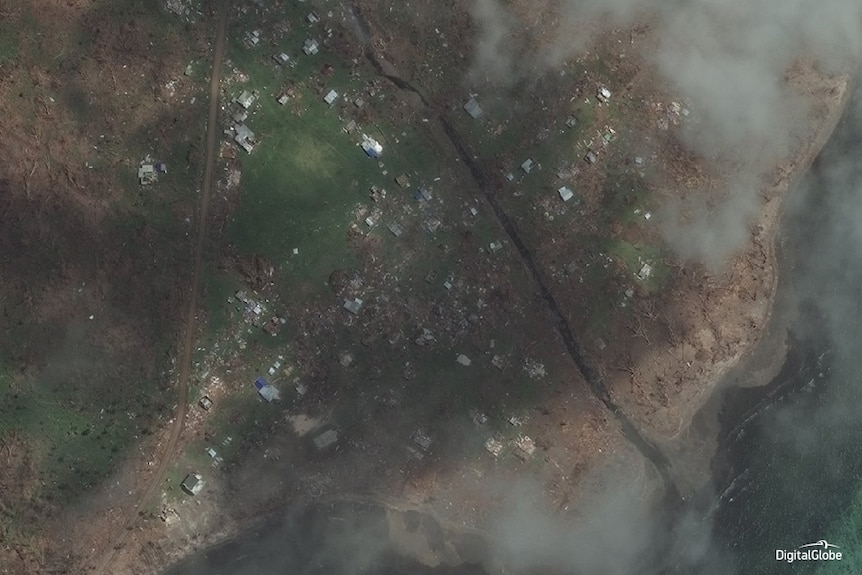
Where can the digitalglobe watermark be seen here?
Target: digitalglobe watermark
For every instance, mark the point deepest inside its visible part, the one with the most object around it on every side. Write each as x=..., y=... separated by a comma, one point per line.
x=818, y=551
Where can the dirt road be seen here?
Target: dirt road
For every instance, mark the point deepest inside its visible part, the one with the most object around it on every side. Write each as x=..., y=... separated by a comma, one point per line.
x=167, y=455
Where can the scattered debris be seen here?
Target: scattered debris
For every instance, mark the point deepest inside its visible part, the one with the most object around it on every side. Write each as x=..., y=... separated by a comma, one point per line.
x=403, y=181
x=603, y=95
x=478, y=417
x=524, y=448
x=534, y=369
x=493, y=447
x=421, y=439
x=645, y=272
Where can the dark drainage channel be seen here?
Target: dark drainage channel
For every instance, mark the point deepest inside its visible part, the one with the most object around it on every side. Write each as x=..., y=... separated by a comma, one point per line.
x=597, y=385
x=593, y=379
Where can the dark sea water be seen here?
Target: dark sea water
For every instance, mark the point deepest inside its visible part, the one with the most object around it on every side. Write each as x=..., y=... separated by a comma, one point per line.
x=792, y=472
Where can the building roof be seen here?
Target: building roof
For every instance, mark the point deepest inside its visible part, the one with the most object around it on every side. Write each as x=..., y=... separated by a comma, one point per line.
x=473, y=108
x=371, y=146
x=326, y=439
x=353, y=306
x=193, y=483
x=330, y=97
x=245, y=99
x=565, y=193
x=268, y=393
x=527, y=165
x=310, y=46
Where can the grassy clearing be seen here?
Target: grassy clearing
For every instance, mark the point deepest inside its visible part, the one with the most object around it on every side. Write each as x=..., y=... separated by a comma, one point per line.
x=306, y=176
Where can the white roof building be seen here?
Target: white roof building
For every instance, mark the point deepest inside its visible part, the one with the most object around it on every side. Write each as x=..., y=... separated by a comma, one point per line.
x=565, y=193
x=330, y=97
x=310, y=47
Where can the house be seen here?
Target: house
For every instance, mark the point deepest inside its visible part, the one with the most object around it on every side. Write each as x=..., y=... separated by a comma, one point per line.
x=147, y=174
x=193, y=483
x=244, y=137
x=252, y=39
x=359, y=102
x=325, y=440
x=372, y=148
x=395, y=229
x=645, y=272
x=310, y=47
x=283, y=99
x=421, y=439
x=266, y=390
x=403, y=181
x=206, y=403
x=493, y=447
x=527, y=166
x=591, y=157
x=603, y=95
x=312, y=18
x=246, y=99
x=524, y=448
x=281, y=59
x=463, y=360
x=571, y=121
x=330, y=97
x=565, y=193
x=478, y=417
x=240, y=117
x=353, y=306
x=473, y=108
x=350, y=127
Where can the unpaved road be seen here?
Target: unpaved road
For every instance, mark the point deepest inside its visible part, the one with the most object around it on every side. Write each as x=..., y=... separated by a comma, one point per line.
x=167, y=455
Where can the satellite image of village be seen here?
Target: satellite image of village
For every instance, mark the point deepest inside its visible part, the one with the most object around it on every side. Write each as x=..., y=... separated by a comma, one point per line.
x=521, y=287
